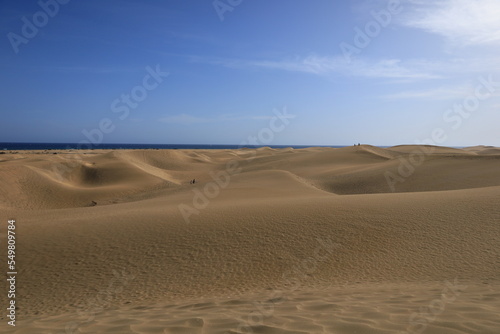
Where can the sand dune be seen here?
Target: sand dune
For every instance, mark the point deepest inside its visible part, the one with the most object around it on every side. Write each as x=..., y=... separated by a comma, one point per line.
x=266, y=241
x=429, y=149
x=483, y=150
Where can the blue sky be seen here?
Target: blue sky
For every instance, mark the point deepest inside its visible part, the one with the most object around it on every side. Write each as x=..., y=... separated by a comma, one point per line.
x=376, y=72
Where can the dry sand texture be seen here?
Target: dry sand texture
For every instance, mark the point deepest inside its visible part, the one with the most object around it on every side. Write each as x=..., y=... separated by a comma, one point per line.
x=319, y=240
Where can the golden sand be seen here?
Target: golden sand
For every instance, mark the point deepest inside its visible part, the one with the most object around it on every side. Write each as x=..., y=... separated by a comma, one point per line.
x=319, y=240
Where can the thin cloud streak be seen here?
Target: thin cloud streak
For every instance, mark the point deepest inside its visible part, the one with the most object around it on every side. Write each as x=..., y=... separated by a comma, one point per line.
x=393, y=69
x=440, y=93
x=330, y=66
x=187, y=119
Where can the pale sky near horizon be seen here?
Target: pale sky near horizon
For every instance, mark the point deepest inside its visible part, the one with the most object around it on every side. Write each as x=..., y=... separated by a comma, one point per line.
x=378, y=72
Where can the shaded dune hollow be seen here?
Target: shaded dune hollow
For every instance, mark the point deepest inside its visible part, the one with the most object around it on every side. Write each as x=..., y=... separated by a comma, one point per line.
x=349, y=240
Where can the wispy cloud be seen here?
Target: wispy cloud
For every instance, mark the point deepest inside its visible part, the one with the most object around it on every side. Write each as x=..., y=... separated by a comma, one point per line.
x=190, y=119
x=444, y=92
x=462, y=22
x=328, y=66
x=396, y=70
x=440, y=93
x=183, y=119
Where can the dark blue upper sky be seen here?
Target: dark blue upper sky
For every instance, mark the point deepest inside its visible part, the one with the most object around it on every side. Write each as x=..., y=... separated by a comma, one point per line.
x=378, y=72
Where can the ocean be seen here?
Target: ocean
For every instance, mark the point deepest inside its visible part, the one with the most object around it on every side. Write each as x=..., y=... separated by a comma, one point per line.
x=74, y=146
